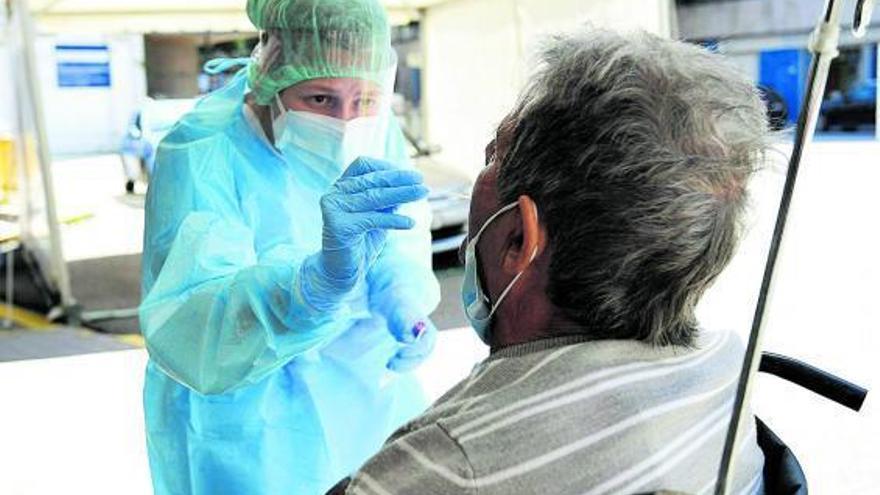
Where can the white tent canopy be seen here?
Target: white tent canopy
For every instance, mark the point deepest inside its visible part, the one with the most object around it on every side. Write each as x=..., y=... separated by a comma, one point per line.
x=168, y=16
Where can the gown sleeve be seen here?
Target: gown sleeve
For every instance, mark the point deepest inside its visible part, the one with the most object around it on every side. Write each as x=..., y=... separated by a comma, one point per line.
x=217, y=315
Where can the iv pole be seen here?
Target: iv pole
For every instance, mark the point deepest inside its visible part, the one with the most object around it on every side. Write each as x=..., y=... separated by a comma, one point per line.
x=823, y=44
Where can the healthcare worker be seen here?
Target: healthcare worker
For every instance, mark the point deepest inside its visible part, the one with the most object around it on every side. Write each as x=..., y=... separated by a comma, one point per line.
x=286, y=281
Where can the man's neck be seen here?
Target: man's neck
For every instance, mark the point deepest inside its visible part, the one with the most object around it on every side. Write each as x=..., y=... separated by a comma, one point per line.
x=532, y=327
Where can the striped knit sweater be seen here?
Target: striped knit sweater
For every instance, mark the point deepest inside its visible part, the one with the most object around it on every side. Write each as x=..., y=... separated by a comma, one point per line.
x=567, y=415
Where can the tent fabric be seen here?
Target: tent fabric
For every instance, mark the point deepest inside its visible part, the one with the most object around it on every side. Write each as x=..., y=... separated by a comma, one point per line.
x=170, y=16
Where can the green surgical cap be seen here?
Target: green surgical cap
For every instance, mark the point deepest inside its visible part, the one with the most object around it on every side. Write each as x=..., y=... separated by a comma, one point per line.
x=312, y=39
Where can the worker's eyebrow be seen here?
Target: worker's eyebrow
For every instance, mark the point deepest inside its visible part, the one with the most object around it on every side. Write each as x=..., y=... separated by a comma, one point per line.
x=319, y=88
x=490, y=152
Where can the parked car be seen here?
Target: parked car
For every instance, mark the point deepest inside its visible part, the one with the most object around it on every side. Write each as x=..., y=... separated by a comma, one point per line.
x=449, y=197
x=450, y=189
x=850, y=109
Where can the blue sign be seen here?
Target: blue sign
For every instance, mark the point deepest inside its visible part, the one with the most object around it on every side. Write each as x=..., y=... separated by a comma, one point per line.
x=786, y=72
x=83, y=66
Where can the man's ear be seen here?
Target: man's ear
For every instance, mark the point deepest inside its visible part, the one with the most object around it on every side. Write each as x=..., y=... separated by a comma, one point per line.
x=529, y=238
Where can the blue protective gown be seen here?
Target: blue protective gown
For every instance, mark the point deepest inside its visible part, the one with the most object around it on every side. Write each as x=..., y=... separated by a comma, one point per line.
x=248, y=390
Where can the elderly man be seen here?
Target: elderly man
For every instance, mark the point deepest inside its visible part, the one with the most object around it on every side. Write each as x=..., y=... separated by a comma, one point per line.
x=611, y=200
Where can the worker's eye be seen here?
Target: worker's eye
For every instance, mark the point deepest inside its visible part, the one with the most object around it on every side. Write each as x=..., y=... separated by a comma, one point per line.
x=320, y=100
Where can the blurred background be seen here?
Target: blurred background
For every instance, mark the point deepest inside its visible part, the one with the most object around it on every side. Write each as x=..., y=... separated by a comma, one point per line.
x=88, y=88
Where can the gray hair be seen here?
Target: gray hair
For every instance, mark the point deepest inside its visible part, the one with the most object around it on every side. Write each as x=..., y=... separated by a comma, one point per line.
x=637, y=151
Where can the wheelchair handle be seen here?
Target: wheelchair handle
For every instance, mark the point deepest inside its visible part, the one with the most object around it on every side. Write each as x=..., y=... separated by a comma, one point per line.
x=818, y=381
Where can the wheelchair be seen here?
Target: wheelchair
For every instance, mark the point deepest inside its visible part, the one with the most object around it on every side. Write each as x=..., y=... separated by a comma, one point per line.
x=783, y=474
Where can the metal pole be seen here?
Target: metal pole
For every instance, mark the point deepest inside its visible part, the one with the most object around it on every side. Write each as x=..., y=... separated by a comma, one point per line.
x=823, y=44
x=108, y=314
x=10, y=287
x=68, y=302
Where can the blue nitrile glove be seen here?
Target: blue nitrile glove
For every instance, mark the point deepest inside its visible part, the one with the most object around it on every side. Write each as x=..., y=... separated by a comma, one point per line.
x=357, y=211
x=415, y=350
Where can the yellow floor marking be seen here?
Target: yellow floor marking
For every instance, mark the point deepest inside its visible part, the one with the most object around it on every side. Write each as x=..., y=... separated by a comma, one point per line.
x=29, y=320
x=131, y=339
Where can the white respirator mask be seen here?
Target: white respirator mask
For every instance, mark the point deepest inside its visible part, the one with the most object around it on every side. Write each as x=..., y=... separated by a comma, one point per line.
x=335, y=142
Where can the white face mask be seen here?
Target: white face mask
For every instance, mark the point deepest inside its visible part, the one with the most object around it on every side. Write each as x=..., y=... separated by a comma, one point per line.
x=478, y=309
x=335, y=142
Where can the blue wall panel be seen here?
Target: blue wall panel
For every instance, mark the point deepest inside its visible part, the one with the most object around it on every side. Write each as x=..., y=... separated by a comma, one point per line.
x=786, y=72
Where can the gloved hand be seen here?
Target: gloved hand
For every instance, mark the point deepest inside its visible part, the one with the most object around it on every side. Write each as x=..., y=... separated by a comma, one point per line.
x=357, y=211
x=417, y=341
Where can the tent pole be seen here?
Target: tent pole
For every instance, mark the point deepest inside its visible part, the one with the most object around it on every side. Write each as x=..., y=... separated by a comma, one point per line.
x=69, y=307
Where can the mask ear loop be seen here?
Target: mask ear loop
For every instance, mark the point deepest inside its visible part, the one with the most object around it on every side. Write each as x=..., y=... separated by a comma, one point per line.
x=518, y=275
x=512, y=283
x=278, y=111
x=472, y=246
x=491, y=219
